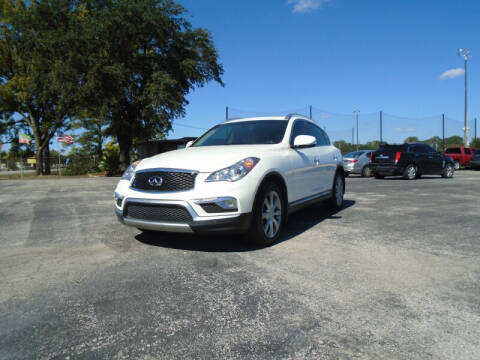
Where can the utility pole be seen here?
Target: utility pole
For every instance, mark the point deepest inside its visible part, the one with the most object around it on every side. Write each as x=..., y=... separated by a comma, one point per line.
x=443, y=131
x=381, y=129
x=310, y=112
x=356, y=119
x=475, y=124
x=226, y=113
x=465, y=53
x=353, y=136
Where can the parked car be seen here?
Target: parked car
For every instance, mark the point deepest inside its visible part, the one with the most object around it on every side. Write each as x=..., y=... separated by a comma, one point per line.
x=358, y=162
x=475, y=162
x=461, y=155
x=410, y=161
x=244, y=175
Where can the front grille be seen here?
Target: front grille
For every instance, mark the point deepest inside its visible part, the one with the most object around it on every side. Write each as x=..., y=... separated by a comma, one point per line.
x=156, y=212
x=171, y=181
x=214, y=208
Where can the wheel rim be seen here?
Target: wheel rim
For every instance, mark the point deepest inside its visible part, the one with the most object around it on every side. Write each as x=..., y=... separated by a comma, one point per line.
x=412, y=172
x=271, y=214
x=339, y=191
x=367, y=172
x=449, y=171
x=457, y=165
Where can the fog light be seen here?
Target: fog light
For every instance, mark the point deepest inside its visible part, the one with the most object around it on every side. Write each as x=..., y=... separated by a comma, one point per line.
x=118, y=199
x=228, y=203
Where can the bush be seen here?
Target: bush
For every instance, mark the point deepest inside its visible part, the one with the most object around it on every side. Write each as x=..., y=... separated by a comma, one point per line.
x=110, y=162
x=79, y=166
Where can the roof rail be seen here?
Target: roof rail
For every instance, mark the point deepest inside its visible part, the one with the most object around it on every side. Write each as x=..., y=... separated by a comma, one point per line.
x=289, y=116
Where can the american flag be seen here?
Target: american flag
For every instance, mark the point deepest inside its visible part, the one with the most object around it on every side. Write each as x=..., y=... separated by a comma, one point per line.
x=61, y=137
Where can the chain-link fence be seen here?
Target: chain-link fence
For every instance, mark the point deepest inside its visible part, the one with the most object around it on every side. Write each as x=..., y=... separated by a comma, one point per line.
x=363, y=128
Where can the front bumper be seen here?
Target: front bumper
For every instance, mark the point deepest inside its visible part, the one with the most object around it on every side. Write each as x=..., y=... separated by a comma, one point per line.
x=239, y=223
x=195, y=211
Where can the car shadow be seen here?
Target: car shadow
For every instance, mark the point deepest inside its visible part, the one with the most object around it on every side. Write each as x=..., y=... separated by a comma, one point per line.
x=298, y=223
x=424, y=177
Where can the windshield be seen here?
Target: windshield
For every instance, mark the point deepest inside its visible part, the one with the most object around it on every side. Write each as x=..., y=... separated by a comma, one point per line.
x=244, y=133
x=354, y=154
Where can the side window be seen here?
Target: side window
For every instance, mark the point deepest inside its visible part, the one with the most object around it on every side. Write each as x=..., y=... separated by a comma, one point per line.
x=467, y=151
x=419, y=149
x=299, y=128
x=322, y=138
x=429, y=149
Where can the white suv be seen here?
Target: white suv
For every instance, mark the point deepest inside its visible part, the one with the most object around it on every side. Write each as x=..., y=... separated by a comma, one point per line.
x=244, y=175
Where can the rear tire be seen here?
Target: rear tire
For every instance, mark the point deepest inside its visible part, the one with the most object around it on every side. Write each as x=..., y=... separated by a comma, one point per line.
x=336, y=201
x=456, y=164
x=410, y=172
x=268, y=218
x=366, y=171
x=347, y=174
x=448, y=171
x=378, y=176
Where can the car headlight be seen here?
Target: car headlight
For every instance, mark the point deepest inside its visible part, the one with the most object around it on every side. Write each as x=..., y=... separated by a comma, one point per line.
x=234, y=172
x=128, y=174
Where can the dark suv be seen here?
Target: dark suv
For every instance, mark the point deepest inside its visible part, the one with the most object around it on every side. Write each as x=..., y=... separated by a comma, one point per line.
x=410, y=161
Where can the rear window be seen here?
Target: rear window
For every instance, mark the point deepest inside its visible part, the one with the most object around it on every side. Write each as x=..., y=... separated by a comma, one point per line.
x=392, y=148
x=453, y=151
x=354, y=154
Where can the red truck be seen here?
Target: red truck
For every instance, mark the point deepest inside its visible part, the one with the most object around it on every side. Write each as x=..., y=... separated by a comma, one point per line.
x=461, y=155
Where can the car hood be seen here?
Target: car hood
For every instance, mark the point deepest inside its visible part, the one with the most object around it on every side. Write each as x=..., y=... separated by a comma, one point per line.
x=204, y=158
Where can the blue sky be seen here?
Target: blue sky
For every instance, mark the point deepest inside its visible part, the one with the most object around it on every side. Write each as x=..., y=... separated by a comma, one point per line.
x=340, y=55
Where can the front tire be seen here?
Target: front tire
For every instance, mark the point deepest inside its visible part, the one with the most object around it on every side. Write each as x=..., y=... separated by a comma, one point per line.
x=410, y=172
x=448, y=171
x=336, y=201
x=268, y=216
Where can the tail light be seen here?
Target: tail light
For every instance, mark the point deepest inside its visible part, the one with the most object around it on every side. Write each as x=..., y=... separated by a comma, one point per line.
x=353, y=161
x=397, y=156
x=371, y=157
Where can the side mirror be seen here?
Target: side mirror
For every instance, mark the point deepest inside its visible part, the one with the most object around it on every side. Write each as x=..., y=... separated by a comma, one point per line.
x=189, y=144
x=304, y=141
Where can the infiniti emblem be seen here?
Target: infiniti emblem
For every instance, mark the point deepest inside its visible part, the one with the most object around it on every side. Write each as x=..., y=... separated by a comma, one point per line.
x=155, y=181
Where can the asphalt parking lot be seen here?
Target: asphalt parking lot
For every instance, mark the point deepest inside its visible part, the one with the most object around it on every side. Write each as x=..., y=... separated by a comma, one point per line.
x=393, y=275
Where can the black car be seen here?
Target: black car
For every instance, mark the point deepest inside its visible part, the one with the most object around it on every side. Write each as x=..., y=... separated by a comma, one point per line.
x=475, y=162
x=410, y=161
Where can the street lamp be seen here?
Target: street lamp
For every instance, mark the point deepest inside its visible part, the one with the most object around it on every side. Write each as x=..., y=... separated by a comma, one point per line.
x=356, y=119
x=465, y=53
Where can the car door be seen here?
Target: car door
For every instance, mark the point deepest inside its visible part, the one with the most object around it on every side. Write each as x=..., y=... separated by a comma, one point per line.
x=435, y=160
x=305, y=171
x=421, y=158
x=327, y=158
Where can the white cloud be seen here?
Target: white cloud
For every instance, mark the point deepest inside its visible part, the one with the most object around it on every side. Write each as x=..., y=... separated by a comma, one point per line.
x=400, y=130
x=452, y=73
x=306, y=6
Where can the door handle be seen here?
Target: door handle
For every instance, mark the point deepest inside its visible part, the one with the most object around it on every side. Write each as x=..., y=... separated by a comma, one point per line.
x=316, y=161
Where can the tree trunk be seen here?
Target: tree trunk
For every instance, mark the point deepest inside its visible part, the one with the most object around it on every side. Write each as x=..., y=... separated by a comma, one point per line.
x=125, y=143
x=38, y=153
x=46, y=158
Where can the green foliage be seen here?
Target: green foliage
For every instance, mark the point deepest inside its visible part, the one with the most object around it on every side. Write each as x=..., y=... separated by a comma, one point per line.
x=39, y=57
x=110, y=162
x=475, y=143
x=144, y=57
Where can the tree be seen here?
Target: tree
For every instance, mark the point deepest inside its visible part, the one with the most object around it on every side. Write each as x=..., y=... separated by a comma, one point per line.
x=344, y=147
x=93, y=137
x=39, y=42
x=145, y=57
x=411, y=139
x=475, y=143
x=454, y=140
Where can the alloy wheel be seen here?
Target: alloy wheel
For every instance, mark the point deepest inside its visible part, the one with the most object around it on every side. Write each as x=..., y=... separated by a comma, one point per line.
x=271, y=214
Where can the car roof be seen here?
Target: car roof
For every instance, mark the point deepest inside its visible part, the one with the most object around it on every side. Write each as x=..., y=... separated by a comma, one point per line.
x=265, y=118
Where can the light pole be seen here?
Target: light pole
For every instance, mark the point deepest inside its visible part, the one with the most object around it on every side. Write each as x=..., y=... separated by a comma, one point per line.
x=465, y=53
x=356, y=119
